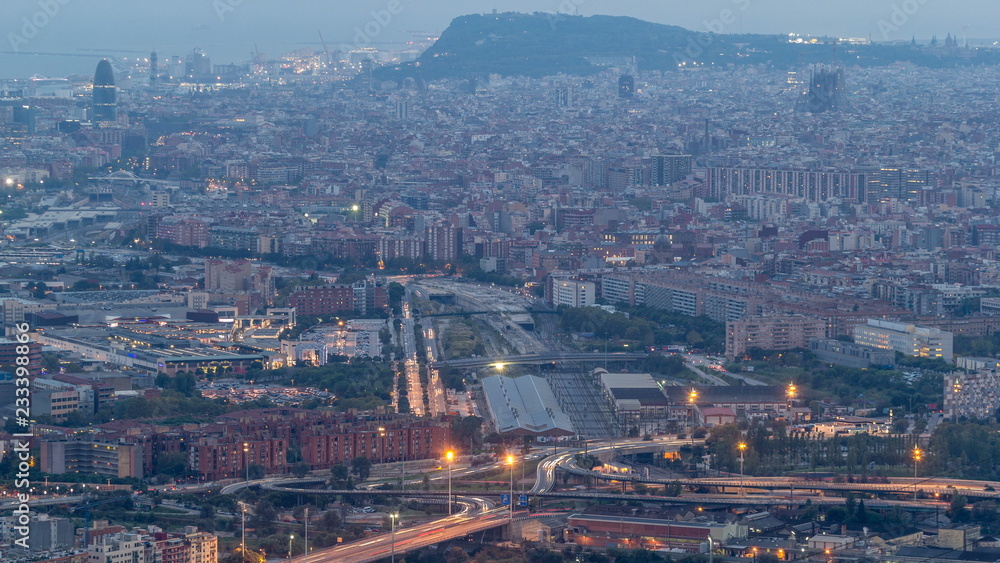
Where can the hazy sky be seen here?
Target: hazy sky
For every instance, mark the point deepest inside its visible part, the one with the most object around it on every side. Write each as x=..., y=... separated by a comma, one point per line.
x=228, y=29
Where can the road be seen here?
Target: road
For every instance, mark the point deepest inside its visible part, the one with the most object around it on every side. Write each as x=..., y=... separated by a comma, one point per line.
x=696, y=361
x=43, y=501
x=414, y=390
x=713, y=379
x=903, y=485
x=474, y=518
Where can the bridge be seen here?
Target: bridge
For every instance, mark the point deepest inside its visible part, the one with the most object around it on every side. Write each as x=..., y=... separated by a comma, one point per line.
x=537, y=359
x=475, y=313
x=129, y=177
x=899, y=485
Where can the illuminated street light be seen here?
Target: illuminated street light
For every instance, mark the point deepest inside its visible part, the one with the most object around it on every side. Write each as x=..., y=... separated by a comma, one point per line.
x=392, y=520
x=450, y=456
x=381, y=450
x=510, y=462
x=743, y=448
x=692, y=396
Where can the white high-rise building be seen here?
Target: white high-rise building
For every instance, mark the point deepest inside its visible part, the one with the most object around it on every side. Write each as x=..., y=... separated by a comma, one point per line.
x=911, y=340
x=573, y=293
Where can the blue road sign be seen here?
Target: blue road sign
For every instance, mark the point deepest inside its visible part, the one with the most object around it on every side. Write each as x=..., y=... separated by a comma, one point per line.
x=522, y=500
x=505, y=499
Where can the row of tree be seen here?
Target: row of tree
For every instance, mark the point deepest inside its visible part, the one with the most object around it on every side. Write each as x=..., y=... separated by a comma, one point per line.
x=646, y=326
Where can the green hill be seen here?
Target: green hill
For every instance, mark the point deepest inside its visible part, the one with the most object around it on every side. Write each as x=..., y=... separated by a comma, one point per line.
x=543, y=44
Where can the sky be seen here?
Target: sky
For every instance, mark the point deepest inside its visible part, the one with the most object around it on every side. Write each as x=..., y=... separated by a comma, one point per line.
x=228, y=30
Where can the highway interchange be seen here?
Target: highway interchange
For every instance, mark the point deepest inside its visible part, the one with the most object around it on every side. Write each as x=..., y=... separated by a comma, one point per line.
x=478, y=511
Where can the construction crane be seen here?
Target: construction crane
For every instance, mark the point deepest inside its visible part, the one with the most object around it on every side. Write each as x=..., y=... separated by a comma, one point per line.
x=326, y=51
x=86, y=512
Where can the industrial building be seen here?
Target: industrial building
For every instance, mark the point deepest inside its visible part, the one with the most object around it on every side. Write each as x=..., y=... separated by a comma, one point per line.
x=636, y=398
x=629, y=532
x=525, y=406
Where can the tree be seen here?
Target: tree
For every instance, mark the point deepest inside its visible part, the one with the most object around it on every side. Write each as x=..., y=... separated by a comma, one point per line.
x=385, y=337
x=264, y=515
x=300, y=469
x=50, y=362
x=340, y=476
x=673, y=489
x=172, y=464
x=467, y=430
x=456, y=555
x=362, y=467
x=396, y=293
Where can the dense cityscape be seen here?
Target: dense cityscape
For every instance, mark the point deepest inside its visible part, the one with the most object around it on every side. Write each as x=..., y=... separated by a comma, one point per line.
x=510, y=292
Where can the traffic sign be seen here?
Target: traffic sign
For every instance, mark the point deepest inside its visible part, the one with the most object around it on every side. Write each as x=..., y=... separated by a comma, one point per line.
x=522, y=500
x=505, y=499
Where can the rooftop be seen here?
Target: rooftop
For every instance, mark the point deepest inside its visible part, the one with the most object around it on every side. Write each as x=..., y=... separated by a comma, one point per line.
x=525, y=404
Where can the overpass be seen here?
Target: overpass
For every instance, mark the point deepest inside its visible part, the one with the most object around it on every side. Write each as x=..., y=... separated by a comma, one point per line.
x=542, y=358
x=476, y=313
x=901, y=485
x=478, y=514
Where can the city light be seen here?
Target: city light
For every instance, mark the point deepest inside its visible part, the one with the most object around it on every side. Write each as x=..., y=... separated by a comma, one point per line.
x=743, y=448
x=450, y=457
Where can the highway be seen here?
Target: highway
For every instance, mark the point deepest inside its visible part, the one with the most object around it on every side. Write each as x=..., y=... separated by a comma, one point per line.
x=695, y=362
x=898, y=485
x=475, y=517
x=42, y=501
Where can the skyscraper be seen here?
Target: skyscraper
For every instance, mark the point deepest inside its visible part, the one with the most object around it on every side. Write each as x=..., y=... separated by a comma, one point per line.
x=897, y=183
x=670, y=168
x=403, y=108
x=564, y=97
x=626, y=86
x=105, y=97
x=154, y=68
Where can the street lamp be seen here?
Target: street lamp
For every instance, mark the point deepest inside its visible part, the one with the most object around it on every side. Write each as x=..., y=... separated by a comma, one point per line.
x=917, y=456
x=791, y=395
x=510, y=462
x=243, y=543
x=450, y=456
x=692, y=396
x=381, y=450
x=743, y=448
x=246, y=466
x=392, y=523
x=290, y=538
